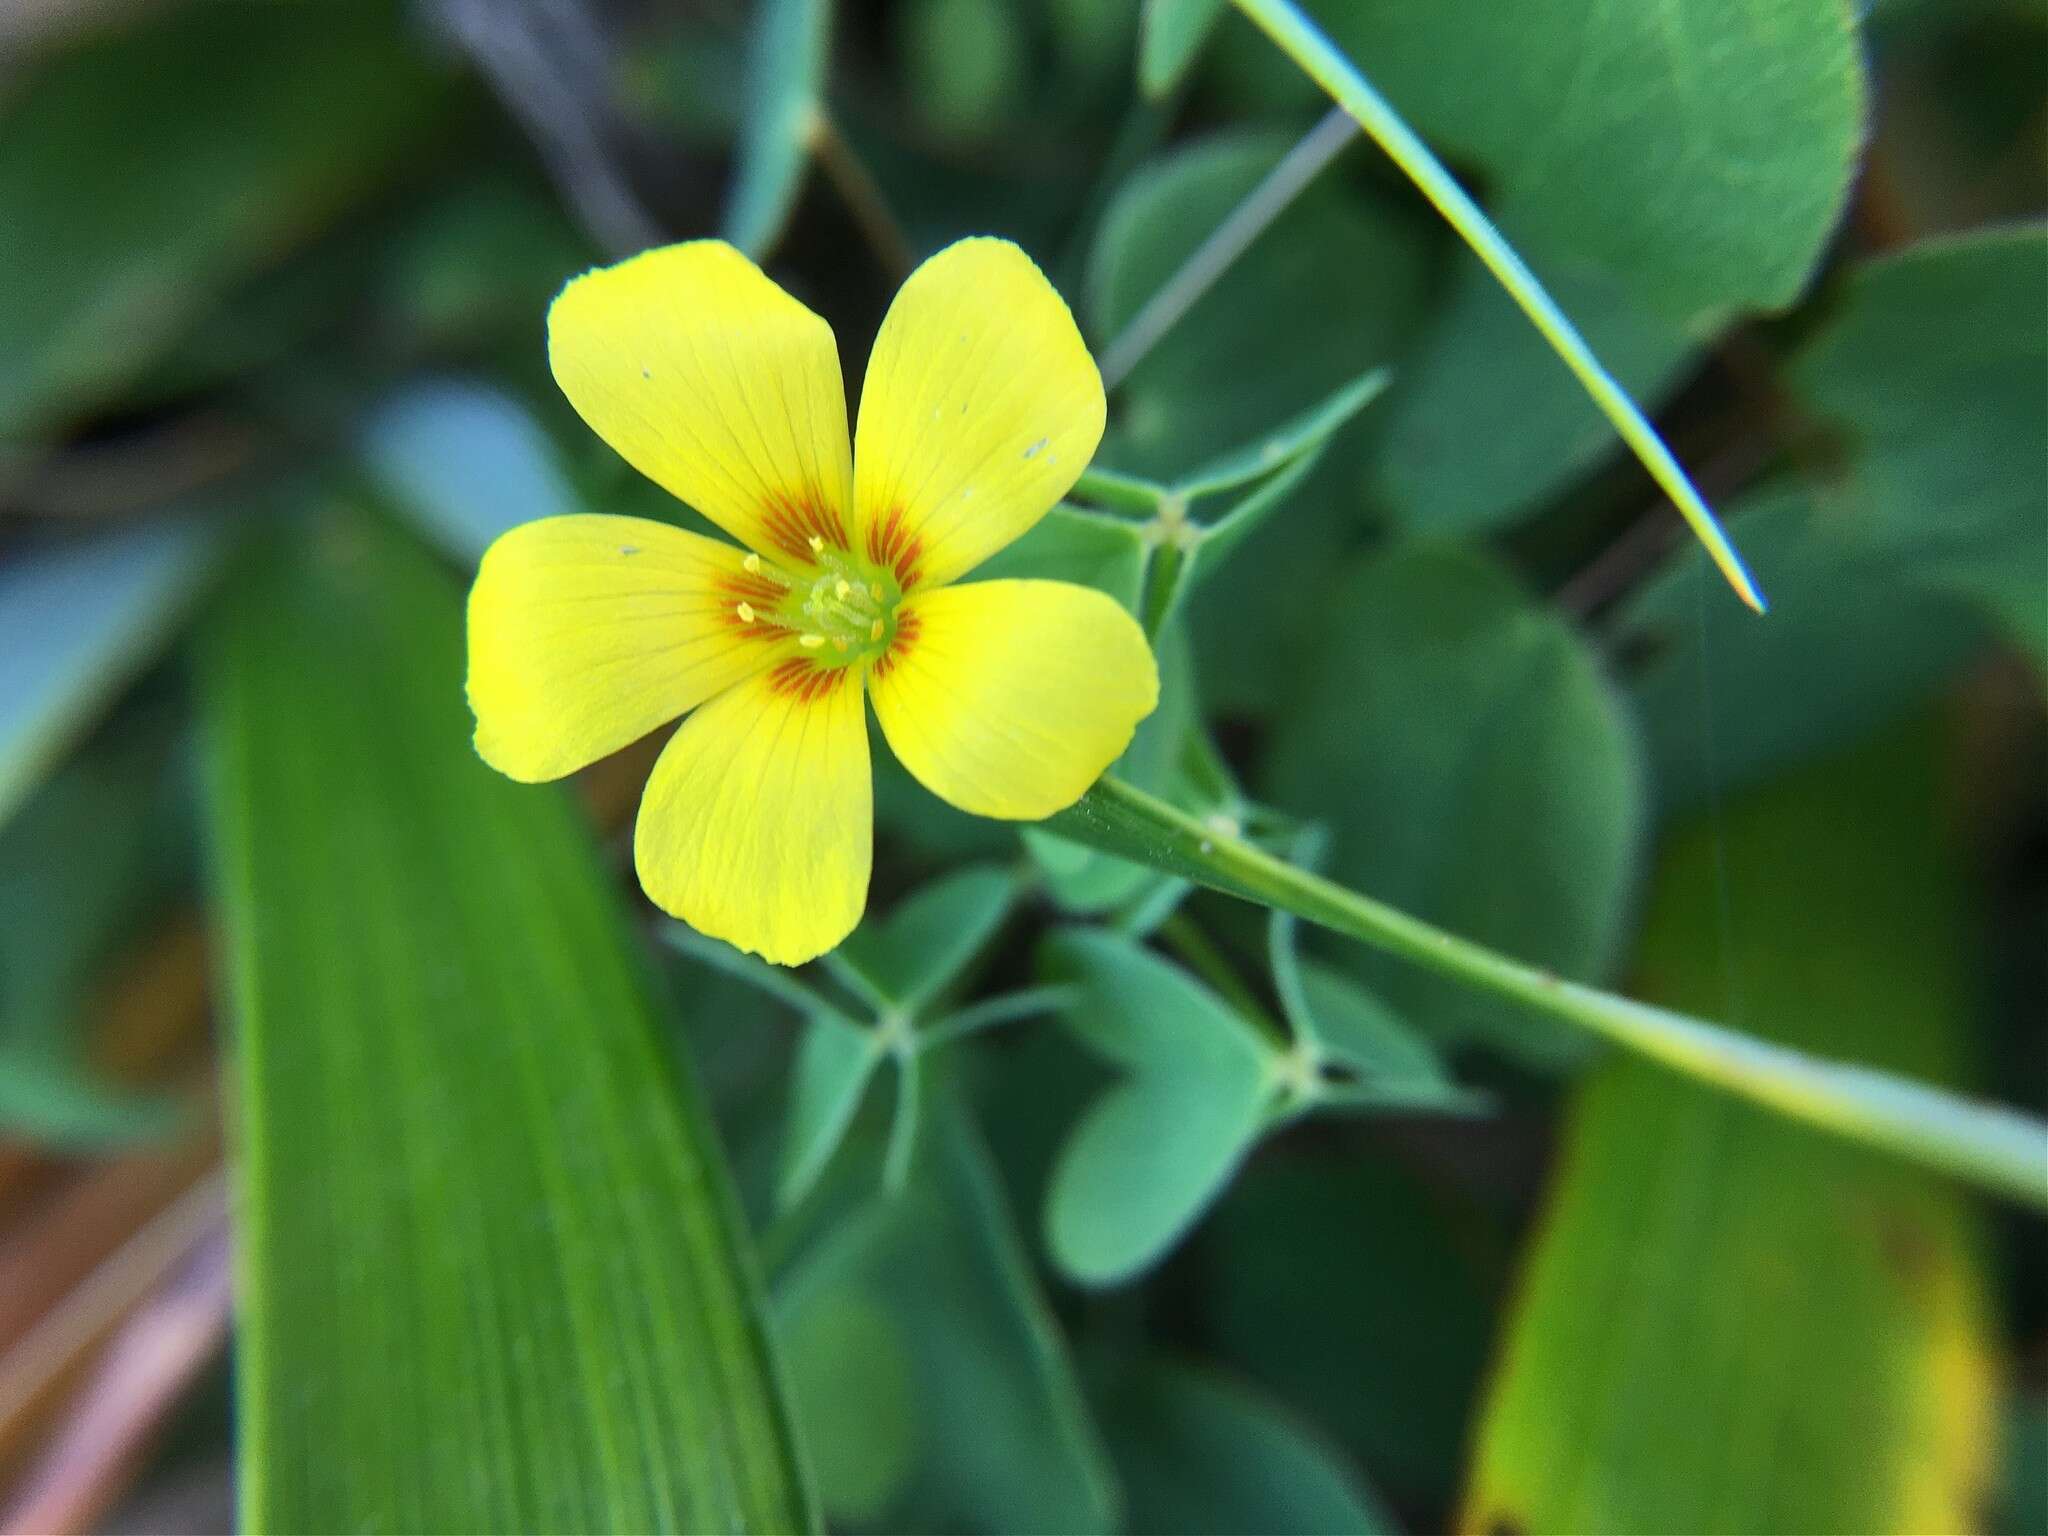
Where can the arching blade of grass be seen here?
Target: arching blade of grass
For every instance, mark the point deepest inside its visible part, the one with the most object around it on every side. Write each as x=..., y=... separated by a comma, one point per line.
x=491, y=1273
x=1299, y=39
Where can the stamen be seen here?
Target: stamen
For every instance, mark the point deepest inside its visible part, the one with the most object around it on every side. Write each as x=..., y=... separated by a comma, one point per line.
x=810, y=642
x=875, y=630
x=746, y=613
x=844, y=590
x=752, y=564
x=875, y=590
x=839, y=642
x=817, y=545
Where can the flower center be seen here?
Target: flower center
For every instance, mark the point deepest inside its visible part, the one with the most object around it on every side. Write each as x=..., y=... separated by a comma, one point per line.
x=841, y=608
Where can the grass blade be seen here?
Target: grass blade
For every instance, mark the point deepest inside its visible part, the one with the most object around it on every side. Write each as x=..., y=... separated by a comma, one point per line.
x=1299, y=39
x=491, y=1273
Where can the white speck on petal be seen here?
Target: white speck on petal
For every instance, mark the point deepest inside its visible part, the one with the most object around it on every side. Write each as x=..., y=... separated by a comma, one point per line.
x=1036, y=448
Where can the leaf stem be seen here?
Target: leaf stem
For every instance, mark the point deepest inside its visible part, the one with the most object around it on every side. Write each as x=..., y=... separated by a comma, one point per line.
x=1125, y=493
x=1226, y=242
x=862, y=194
x=1997, y=1148
x=1298, y=38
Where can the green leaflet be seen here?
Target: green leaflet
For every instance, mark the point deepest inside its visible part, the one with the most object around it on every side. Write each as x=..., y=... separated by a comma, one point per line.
x=1475, y=769
x=1170, y=37
x=1809, y=1349
x=1201, y=1453
x=492, y=1276
x=786, y=61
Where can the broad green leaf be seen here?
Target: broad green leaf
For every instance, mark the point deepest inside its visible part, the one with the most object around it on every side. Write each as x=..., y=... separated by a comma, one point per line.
x=929, y=938
x=1475, y=770
x=964, y=62
x=1487, y=424
x=1003, y=1438
x=1956, y=496
x=466, y=460
x=785, y=88
x=1731, y=1322
x=1157, y=1147
x=1170, y=36
x=492, y=1273
x=96, y=852
x=1852, y=642
x=834, y=1065
x=154, y=165
x=1700, y=149
x=77, y=620
x=1201, y=1453
x=1249, y=355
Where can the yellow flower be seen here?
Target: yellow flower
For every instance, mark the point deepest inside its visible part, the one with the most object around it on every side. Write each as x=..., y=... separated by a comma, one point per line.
x=1007, y=698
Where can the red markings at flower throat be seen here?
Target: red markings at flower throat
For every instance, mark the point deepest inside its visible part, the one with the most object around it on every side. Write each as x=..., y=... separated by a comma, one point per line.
x=792, y=522
x=891, y=543
x=907, y=626
x=803, y=679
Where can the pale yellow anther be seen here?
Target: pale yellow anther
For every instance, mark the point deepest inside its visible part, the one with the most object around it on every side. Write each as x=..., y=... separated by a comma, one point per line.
x=746, y=613
x=839, y=642
x=817, y=545
x=875, y=590
x=875, y=630
x=844, y=590
x=752, y=565
x=810, y=642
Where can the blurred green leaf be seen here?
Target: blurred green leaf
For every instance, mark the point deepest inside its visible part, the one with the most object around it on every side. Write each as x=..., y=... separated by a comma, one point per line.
x=148, y=169
x=77, y=620
x=1487, y=424
x=465, y=459
x=1809, y=1348
x=785, y=92
x=1170, y=36
x=1155, y=1149
x=463, y=1153
x=834, y=1064
x=1849, y=645
x=97, y=850
x=1206, y=1456
x=1004, y=1439
x=1249, y=355
x=852, y=1378
x=1701, y=151
x=964, y=62
x=1475, y=770
x=1957, y=496
x=1362, y=1293
x=931, y=936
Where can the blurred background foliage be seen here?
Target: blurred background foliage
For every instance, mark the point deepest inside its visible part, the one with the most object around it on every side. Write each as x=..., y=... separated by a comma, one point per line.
x=1022, y=1212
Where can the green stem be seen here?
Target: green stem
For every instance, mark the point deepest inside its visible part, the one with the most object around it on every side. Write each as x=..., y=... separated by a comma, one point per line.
x=1212, y=258
x=1126, y=493
x=1299, y=39
x=1997, y=1148
x=1203, y=958
x=994, y=1011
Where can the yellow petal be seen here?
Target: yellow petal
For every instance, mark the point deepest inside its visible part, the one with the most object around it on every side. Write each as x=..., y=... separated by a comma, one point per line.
x=1009, y=698
x=980, y=410
x=758, y=822
x=585, y=633
x=716, y=385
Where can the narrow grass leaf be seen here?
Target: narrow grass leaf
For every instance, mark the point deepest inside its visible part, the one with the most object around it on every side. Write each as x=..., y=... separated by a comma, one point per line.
x=492, y=1275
